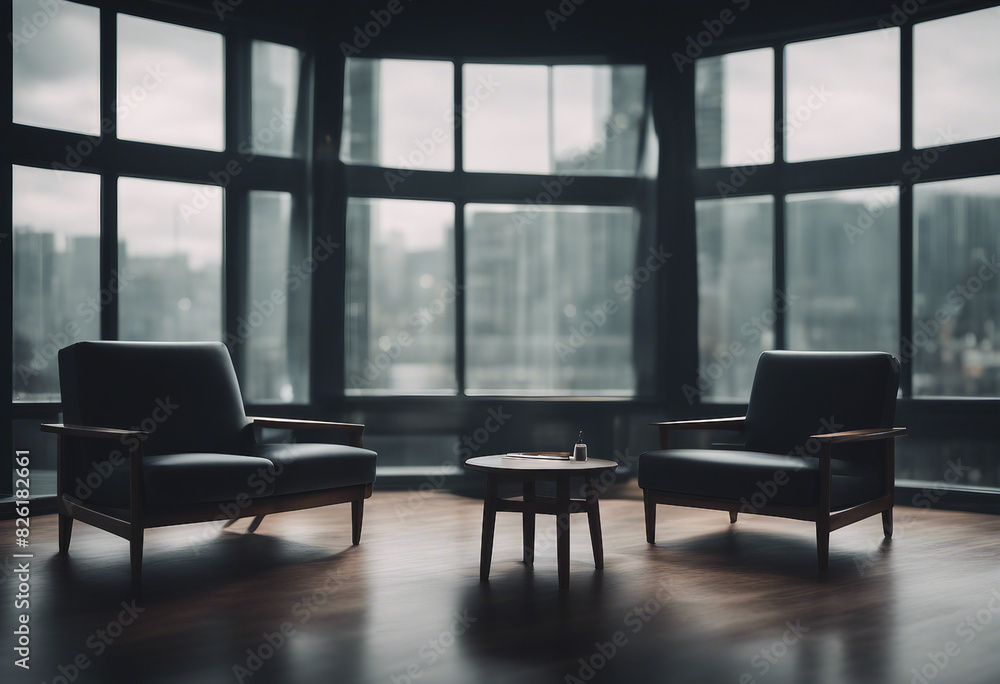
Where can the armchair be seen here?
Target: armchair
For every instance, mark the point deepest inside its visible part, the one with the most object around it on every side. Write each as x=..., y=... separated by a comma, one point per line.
x=819, y=447
x=155, y=434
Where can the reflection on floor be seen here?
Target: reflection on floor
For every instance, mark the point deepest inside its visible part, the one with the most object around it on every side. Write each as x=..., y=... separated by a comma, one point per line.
x=296, y=603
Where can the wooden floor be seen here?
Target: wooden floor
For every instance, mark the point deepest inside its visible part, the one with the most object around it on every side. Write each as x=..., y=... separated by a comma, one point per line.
x=709, y=603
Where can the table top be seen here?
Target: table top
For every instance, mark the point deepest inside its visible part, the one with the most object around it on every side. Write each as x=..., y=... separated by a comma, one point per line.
x=495, y=464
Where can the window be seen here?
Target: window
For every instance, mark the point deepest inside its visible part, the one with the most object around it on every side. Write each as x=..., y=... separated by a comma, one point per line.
x=738, y=303
x=57, y=68
x=851, y=233
x=56, y=226
x=507, y=278
x=170, y=260
x=276, y=89
x=170, y=84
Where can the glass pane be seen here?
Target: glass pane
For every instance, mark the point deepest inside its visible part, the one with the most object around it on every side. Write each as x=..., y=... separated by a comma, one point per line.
x=734, y=108
x=170, y=253
x=737, y=304
x=842, y=96
x=401, y=296
x=842, y=269
x=42, y=448
x=956, y=78
x=399, y=113
x=57, y=65
x=57, y=299
x=171, y=84
x=597, y=117
x=275, y=324
x=506, y=124
x=956, y=295
x=275, y=98
x=550, y=295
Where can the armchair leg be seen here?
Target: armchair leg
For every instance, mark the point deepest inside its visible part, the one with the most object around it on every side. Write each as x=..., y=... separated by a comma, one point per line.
x=65, y=532
x=357, y=514
x=255, y=524
x=887, y=523
x=650, y=507
x=732, y=517
x=135, y=556
x=823, y=543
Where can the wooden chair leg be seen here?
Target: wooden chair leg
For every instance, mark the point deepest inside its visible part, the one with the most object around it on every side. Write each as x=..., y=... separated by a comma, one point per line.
x=229, y=522
x=255, y=524
x=357, y=515
x=823, y=543
x=650, y=506
x=135, y=556
x=887, y=523
x=528, y=524
x=65, y=532
x=732, y=517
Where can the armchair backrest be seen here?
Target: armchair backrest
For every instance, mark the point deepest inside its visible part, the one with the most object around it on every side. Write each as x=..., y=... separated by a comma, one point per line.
x=798, y=394
x=184, y=393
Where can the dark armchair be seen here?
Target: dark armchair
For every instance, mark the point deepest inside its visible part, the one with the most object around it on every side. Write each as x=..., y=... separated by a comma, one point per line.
x=818, y=447
x=156, y=434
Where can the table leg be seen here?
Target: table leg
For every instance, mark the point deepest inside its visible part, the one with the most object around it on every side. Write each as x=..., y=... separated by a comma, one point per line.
x=594, y=517
x=528, y=523
x=562, y=530
x=489, y=522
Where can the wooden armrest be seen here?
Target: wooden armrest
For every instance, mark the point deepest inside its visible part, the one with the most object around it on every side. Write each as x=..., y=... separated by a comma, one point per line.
x=89, y=431
x=296, y=424
x=736, y=423
x=354, y=430
x=865, y=435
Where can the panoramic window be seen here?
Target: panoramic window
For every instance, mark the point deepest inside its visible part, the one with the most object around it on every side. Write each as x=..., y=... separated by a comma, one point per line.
x=543, y=284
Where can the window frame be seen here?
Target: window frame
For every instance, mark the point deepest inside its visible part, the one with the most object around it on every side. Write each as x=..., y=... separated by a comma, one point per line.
x=461, y=187
x=113, y=158
x=781, y=178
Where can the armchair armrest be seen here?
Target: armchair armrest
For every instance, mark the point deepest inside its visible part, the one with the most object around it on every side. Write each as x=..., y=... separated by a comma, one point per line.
x=735, y=423
x=864, y=435
x=353, y=430
x=91, y=432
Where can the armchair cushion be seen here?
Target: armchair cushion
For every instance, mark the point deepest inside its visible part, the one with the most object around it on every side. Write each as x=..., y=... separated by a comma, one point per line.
x=737, y=475
x=308, y=467
x=173, y=479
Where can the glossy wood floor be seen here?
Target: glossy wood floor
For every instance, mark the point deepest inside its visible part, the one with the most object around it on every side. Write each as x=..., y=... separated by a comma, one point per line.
x=709, y=603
